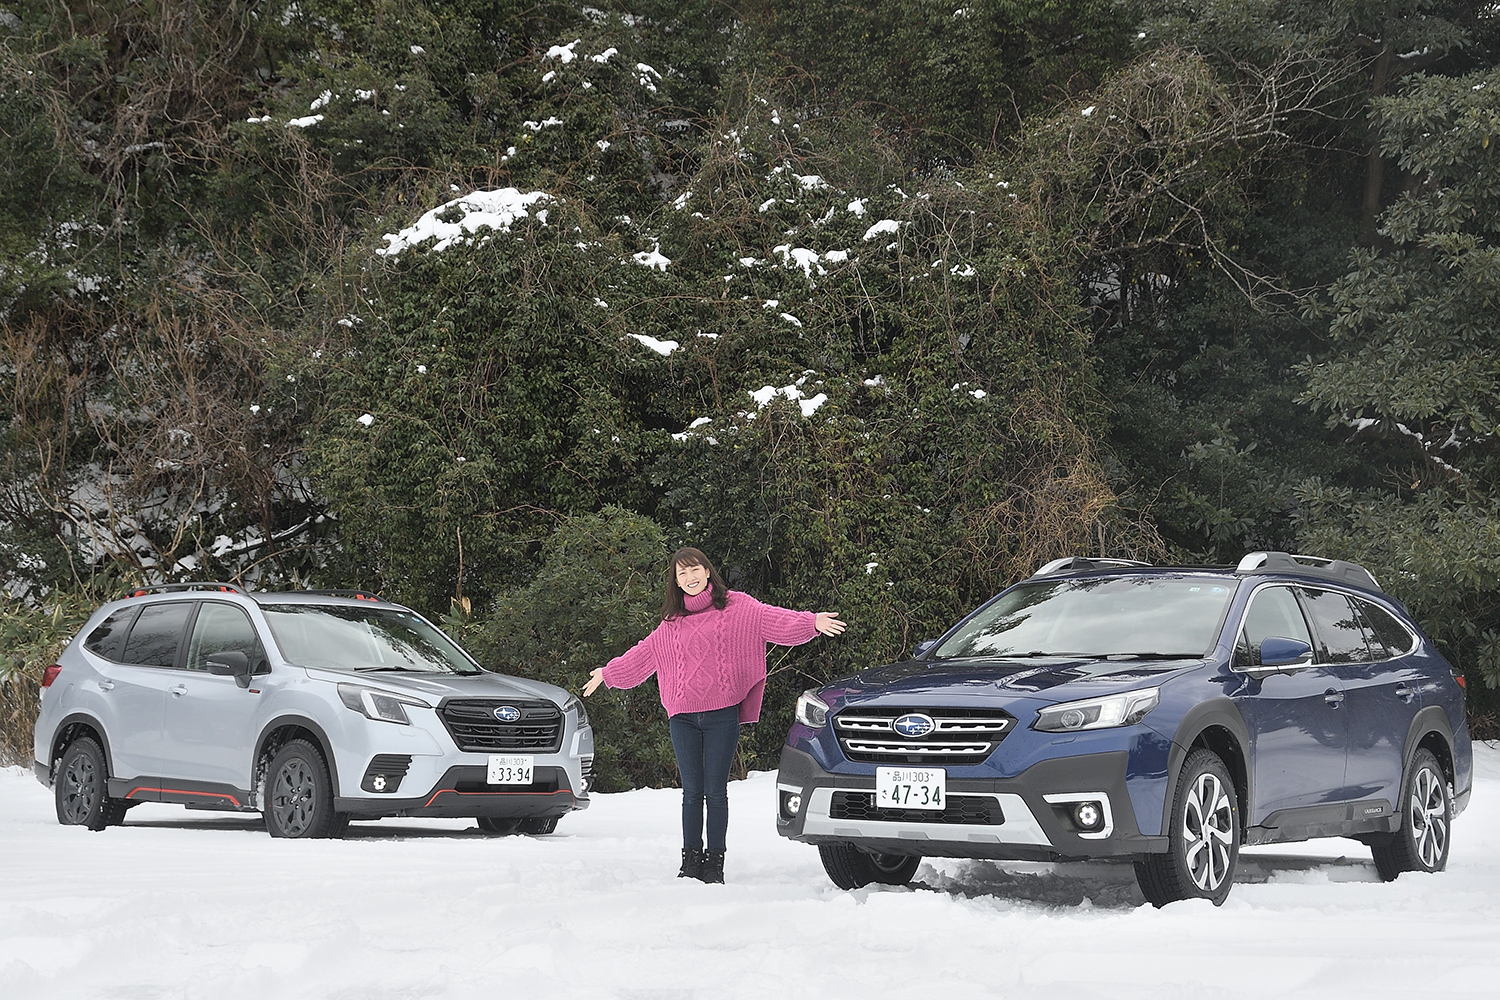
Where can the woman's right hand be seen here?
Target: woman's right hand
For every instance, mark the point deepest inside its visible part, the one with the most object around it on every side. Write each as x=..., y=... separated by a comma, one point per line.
x=595, y=679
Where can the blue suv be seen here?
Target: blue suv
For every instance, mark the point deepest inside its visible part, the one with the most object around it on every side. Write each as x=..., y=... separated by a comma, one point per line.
x=1108, y=709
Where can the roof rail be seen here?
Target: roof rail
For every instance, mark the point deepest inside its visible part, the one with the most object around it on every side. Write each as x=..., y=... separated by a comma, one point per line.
x=231, y=588
x=1080, y=563
x=358, y=595
x=1315, y=566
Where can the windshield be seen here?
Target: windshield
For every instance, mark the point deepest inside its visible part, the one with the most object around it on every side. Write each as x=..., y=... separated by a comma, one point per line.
x=314, y=635
x=1139, y=616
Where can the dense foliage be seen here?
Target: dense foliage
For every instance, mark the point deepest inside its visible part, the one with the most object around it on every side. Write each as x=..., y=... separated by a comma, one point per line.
x=489, y=305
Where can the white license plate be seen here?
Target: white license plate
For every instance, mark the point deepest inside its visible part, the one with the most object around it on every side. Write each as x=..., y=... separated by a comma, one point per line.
x=511, y=770
x=911, y=788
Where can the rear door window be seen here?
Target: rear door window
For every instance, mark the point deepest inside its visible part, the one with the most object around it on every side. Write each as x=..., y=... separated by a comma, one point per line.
x=1338, y=626
x=157, y=635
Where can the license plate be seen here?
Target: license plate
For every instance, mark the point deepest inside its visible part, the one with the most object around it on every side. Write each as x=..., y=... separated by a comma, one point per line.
x=510, y=770
x=911, y=788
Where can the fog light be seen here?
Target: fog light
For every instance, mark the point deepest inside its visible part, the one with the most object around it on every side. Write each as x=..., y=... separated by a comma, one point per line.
x=791, y=804
x=1088, y=815
x=378, y=782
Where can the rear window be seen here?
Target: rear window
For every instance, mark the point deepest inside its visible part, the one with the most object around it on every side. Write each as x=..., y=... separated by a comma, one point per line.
x=109, y=635
x=1155, y=616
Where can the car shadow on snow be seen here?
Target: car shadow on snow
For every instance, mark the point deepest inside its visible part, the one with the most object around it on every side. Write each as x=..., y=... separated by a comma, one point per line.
x=1109, y=885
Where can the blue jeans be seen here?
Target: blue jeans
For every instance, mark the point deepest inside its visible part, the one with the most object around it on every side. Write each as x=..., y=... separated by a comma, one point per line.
x=704, y=743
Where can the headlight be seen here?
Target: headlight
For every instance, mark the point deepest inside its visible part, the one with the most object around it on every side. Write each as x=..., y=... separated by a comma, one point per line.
x=382, y=706
x=1098, y=713
x=574, y=705
x=812, y=710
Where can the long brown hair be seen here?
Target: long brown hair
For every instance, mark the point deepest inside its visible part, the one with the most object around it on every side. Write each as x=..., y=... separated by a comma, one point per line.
x=672, y=606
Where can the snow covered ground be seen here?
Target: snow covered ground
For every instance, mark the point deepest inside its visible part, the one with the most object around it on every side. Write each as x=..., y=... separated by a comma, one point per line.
x=186, y=904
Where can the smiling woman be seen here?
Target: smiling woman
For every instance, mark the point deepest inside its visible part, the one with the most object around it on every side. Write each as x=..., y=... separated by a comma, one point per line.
x=709, y=658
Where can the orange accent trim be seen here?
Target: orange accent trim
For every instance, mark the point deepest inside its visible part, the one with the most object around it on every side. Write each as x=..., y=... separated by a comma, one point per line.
x=180, y=791
x=452, y=791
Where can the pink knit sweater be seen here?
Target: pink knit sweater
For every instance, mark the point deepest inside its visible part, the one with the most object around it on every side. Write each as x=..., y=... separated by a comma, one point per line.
x=711, y=659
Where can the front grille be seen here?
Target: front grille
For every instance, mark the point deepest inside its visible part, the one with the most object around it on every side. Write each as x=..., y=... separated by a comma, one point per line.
x=959, y=810
x=959, y=735
x=473, y=725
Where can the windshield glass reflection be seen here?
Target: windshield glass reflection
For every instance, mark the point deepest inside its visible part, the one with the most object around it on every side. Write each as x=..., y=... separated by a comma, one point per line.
x=1133, y=617
x=373, y=639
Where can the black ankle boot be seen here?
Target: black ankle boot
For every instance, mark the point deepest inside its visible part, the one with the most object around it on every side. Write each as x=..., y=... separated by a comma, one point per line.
x=692, y=863
x=713, y=867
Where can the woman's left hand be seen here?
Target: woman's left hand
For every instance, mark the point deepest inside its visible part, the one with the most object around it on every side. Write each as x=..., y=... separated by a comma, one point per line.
x=829, y=624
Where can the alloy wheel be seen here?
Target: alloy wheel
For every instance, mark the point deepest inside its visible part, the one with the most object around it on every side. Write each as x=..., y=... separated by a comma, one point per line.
x=293, y=796
x=1207, y=832
x=1429, y=817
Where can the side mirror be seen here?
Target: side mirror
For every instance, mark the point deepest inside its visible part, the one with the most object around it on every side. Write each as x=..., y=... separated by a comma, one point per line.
x=231, y=663
x=1279, y=651
x=923, y=647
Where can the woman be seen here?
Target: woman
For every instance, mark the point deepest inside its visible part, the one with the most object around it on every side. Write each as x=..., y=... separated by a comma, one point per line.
x=709, y=658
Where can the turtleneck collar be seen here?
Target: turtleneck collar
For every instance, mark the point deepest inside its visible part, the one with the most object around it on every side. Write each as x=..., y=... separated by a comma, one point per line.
x=694, y=603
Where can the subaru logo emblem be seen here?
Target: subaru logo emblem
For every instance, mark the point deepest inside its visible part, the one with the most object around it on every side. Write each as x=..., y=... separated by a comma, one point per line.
x=507, y=713
x=914, y=725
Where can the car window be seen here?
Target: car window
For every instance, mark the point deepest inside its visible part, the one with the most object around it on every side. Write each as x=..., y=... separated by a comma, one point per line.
x=157, y=634
x=357, y=638
x=224, y=628
x=1339, y=630
x=107, y=637
x=1167, y=616
x=1386, y=629
x=1273, y=611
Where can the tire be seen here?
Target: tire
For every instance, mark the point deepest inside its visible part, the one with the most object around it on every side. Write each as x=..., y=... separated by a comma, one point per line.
x=498, y=827
x=82, y=788
x=537, y=826
x=299, y=793
x=1203, y=842
x=1421, y=844
x=850, y=868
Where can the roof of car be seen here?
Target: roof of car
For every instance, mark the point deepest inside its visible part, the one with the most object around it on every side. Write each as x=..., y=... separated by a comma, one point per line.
x=1253, y=564
x=264, y=596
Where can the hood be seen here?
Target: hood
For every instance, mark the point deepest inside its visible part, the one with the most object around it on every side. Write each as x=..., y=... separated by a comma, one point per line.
x=434, y=687
x=1051, y=678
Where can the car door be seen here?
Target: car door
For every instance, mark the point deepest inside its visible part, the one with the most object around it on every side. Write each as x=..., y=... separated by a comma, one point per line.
x=210, y=719
x=133, y=684
x=1298, y=730
x=1384, y=695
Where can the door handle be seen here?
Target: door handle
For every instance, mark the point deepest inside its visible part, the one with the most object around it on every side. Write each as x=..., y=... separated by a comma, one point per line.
x=1333, y=698
x=1405, y=692
x=178, y=690
x=106, y=685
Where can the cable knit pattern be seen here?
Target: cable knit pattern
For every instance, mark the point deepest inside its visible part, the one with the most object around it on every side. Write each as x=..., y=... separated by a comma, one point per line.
x=710, y=659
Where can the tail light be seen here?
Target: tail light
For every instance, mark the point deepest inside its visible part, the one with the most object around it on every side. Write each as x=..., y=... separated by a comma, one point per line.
x=50, y=674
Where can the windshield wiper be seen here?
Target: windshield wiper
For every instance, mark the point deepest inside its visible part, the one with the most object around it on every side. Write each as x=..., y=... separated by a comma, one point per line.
x=389, y=667
x=1153, y=656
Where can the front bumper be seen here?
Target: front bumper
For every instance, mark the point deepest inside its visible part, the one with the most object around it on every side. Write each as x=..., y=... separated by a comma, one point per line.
x=1023, y=818
x=462, y=791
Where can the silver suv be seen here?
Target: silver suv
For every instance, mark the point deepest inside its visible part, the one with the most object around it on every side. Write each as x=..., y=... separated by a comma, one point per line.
x=313, y=708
